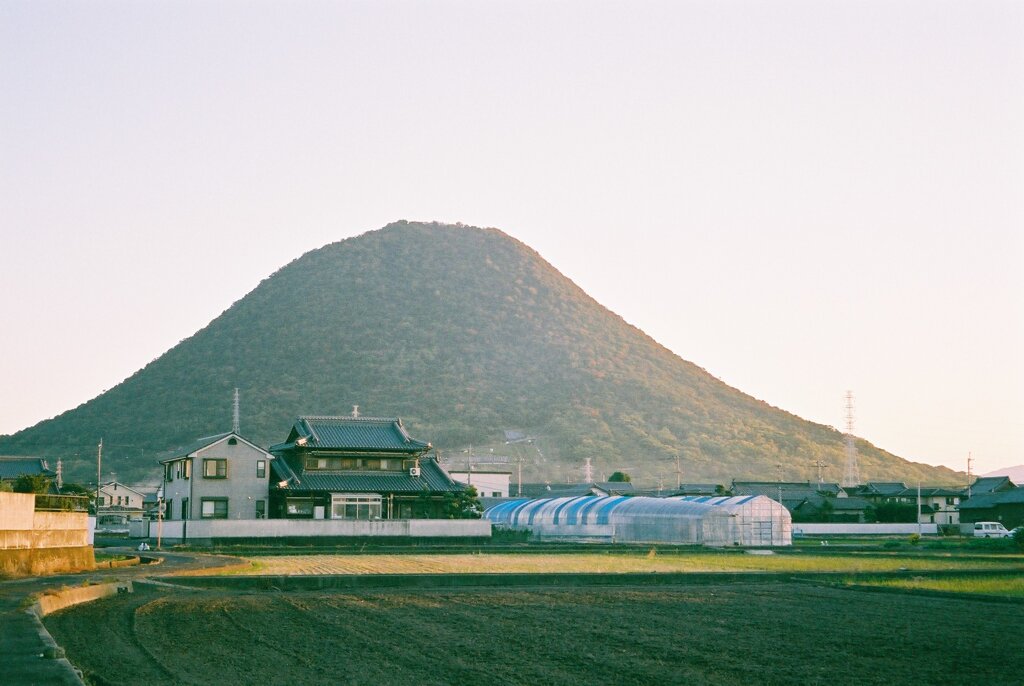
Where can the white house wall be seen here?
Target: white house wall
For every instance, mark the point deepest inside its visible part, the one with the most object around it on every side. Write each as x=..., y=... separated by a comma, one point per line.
x=241, y=487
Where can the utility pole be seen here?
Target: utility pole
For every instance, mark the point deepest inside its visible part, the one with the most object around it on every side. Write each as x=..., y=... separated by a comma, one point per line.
x=679, y=475
x=820, y=465
x=99, y=480
x=970, y=461
x=919, y=508
x=235, y=419
x=780, y=485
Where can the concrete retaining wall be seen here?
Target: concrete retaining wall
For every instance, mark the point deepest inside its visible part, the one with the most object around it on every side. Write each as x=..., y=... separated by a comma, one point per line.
x=44, y=561
x=865, y=529
x=51, y=602
x=205, y=530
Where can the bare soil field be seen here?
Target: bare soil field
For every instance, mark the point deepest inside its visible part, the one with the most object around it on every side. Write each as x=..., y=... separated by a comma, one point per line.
x=722, y=634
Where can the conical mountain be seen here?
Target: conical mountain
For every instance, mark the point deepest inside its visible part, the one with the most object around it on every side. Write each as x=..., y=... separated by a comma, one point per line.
x=464, y=333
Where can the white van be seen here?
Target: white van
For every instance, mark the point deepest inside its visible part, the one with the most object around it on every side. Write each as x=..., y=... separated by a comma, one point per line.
x=990, y=530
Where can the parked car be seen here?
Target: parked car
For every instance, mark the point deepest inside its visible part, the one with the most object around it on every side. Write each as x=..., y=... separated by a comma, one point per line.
x=1015, y=530
x=990, y=530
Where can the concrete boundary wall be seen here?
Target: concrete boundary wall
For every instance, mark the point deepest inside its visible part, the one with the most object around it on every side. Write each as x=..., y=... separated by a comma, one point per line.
x=22, y=526
x=865, y=529
x=198, y=530
x=40, y=542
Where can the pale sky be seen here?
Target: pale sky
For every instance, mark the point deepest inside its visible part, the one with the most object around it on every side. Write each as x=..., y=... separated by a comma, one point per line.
x=800, y=197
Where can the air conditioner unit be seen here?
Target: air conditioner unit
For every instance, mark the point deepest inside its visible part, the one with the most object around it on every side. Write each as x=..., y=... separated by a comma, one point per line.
x=414, y=471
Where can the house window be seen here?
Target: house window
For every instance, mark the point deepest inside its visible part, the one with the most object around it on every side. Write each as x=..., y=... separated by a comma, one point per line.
x=215, y=468
x=184, y=508
x=215, y=508
x=261, y=509
x=186, y=468
x=100, y=501
x=261, y=469
x=168, y=472
x=298, y=507
x=355, y=506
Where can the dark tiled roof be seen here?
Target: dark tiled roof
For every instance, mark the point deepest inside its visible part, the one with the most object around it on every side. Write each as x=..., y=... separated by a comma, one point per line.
x=988, y=484
x=13, y=467
x=934, y=492
x=352, y=433
x=432, y=479
x=790, y=490
x=699, y=489
x=884, y=488
x=545, y=490
x=986, y=500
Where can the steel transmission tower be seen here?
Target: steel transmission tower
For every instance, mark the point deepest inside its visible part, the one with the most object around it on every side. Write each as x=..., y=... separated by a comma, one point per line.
x=851, y=475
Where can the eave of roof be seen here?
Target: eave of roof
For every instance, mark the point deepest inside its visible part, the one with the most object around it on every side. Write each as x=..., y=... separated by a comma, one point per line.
x=432, y=479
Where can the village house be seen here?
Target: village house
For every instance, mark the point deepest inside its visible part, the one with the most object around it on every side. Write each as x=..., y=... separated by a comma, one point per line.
x=13, y=467
x=366, y=468
x=118, y=504
x=489, y=483
x=1005, y=506
x=809, y=501
x=218, y=477
x=939, y=505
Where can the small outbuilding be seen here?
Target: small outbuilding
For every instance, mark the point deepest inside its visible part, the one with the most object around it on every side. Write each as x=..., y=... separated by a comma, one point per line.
x=752, y=520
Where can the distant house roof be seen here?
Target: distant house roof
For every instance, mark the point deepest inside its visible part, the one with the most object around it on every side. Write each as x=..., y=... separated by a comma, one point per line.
x=556, y=490
x=12, y=467
x=200, y=443
x=699, y=489
x=851, y=504
x=990, y=484
x=369, y=434
x=112, y=486
x=986, y=500
x=431, y=479
x=935, y=492
x=791, y=490
x=887, y=488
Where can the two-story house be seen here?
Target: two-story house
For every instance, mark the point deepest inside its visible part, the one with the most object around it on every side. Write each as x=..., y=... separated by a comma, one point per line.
x=357, y=468
x=217, y=477
x=118, y=504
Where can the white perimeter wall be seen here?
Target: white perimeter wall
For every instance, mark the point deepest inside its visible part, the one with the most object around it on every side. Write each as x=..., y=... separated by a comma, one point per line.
x=279, y=528
x=860, y=529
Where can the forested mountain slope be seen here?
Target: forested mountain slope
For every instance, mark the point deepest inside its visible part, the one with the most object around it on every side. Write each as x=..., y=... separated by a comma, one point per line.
x=464, y=333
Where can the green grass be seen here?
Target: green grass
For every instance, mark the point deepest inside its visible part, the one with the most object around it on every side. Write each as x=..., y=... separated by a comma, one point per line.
x=1011, y=585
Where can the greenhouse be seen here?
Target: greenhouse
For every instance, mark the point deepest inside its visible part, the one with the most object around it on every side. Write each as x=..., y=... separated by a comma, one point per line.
x=750, y=520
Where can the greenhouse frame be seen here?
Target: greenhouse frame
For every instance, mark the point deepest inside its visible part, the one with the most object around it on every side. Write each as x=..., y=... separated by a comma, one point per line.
x=750, y=520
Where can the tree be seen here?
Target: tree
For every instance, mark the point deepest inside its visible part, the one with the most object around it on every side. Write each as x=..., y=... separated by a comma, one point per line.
x=31, y=483
x=620, y=477
x=463, y=505
x=1018, y=537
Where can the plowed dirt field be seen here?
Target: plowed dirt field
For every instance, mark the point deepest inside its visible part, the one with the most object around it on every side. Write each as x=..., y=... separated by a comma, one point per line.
x=727, y=634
